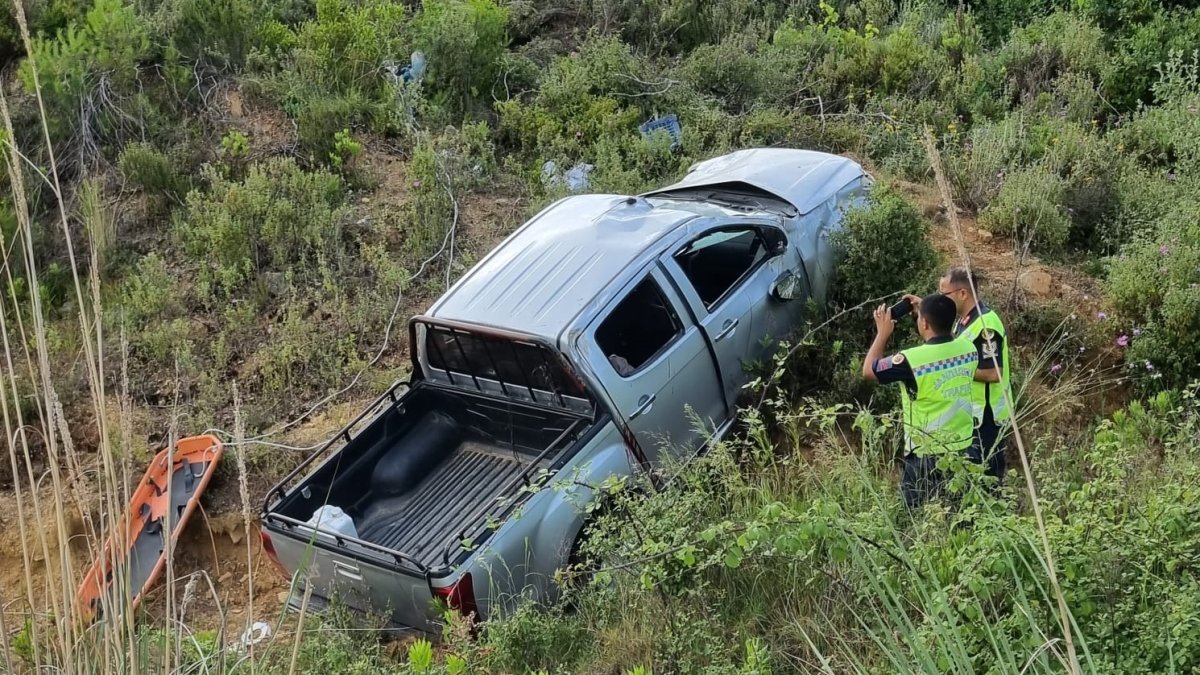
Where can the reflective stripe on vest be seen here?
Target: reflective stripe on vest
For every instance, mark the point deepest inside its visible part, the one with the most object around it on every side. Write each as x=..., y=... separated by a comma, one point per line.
x=941, y=416
x=984, y=393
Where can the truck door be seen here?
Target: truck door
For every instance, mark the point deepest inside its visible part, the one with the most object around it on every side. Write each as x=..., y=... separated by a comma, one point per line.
x=725, y=273
x=656, y=367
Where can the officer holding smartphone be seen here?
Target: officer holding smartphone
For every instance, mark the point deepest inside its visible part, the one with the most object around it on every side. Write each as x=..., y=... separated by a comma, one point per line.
x=935, y=394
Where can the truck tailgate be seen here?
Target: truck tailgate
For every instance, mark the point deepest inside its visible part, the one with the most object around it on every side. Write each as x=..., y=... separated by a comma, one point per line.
x=363, y=582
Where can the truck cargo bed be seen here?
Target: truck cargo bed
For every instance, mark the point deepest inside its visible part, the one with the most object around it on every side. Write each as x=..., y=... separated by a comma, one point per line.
x=431, y=471
x=426, y=521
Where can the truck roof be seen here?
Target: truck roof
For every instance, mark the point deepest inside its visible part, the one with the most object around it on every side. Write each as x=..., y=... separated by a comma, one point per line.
x=543, y=275
x=540, y=278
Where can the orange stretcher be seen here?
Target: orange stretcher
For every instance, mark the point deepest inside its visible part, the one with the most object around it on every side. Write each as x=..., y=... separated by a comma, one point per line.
x=166, y=495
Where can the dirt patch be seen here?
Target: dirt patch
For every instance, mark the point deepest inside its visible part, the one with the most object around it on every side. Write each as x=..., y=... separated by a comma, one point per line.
x=1000, y=262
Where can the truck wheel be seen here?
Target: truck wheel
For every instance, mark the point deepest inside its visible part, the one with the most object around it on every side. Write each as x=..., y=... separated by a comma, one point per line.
x=581, y=567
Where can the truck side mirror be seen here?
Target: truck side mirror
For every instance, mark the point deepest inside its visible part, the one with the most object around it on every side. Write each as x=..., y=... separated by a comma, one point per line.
x=787, y=287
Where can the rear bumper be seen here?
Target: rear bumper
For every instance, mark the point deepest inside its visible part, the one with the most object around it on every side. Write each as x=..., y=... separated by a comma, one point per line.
x=319, y=606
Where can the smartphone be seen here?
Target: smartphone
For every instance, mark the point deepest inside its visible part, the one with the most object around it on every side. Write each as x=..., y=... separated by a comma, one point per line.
x=900, y=309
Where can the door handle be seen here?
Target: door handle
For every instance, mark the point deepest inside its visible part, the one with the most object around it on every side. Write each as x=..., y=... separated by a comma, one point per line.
x=727, y=329
x=347, y=570
x=645, y=403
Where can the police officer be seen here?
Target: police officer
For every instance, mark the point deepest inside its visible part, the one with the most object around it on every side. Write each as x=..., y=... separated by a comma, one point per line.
x=935, y=394
x=980, y=325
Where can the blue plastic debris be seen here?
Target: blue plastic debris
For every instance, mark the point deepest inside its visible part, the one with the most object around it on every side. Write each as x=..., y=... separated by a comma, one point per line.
x=411, y=72
x=415, y=69
x=669, y=124
x=575, y=178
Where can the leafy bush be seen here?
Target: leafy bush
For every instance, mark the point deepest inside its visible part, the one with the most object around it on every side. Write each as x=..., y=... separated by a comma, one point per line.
x=1030, y=208
x=333, y=76
x=989, y=152
x=1062, y=42
x=883, y=249
x=1140, y=53
x=87, y=71
x=463, y=41
x=1155, y=283
x=727, y=72
x=217, y=33
x=280, y=219
x=150, y=170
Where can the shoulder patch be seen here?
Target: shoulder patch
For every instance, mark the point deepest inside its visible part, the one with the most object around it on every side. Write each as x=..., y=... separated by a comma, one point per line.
x=988, y=333
x=898, y=359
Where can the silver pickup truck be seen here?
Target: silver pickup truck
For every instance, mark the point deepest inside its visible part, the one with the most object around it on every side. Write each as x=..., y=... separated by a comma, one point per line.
x=583, y=347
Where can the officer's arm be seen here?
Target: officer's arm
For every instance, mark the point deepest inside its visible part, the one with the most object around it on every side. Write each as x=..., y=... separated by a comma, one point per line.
x=990, y=360
x=873, y=355
x=991, y=375
x=883, y=331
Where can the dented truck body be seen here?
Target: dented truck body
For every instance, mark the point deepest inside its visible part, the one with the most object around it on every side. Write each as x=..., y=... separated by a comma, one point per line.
x=583, y=347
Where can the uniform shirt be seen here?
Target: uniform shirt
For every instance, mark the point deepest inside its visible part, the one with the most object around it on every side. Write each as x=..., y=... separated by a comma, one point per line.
x=895, y=368
x=991, y=356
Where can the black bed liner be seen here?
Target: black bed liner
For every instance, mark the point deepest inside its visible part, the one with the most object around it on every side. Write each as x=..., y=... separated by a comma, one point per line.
x=423, y=523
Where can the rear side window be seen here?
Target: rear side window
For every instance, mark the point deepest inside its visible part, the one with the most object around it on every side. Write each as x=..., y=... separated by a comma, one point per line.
x=639, y=328
x=515, y=363
x=715, y=262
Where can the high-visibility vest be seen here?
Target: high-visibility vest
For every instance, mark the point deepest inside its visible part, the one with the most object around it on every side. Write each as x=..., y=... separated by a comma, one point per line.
x=984, y=394
x=941, y=417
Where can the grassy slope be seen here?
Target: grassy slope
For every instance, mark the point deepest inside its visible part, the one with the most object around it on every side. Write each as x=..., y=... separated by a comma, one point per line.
x=384, y=180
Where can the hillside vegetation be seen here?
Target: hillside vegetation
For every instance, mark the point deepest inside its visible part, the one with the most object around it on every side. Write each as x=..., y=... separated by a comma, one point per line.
x=218, y=215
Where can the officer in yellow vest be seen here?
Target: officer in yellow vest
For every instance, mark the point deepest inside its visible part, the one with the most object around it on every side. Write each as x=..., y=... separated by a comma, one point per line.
x=980, y=325
x=935, y=397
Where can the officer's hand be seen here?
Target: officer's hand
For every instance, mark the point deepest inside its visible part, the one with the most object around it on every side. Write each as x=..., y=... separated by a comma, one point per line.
x=913, y=300
x=883, y=321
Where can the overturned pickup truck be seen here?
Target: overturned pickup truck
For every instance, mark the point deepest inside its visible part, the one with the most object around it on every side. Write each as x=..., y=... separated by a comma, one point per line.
x=583, y=347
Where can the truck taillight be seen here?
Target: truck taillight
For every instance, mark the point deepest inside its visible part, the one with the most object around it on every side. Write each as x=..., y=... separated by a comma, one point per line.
x=269, y=548
x=459, y=596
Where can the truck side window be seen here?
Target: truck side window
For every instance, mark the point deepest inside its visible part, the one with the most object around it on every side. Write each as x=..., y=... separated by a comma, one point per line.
x=715, y=262
x=639, y=327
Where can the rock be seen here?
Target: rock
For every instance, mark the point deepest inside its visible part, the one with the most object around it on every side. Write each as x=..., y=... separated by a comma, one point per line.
x=235, y=105
x=984, y=235
x=282, y=597
x=1035, y=281
x=229, y=524
x=225, y=578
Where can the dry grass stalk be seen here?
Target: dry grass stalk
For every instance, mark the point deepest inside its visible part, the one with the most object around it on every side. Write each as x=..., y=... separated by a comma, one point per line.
x=239, y=435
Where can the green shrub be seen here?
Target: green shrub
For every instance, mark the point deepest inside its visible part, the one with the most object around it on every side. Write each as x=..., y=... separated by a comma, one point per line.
x=1029, y=208
x=1155, y=284
x=463, y=41
x=998, y=18
x=728, y=73
x=87, y=70
x=1167, y=136
x=153, y=171
x=883, y=249
x=989, y=152
x=1038, y=54
x=217, y=33
x=1140, y=52
x=279, y=219
x=332, y=78
x=441, y=170
x=1090, y=169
